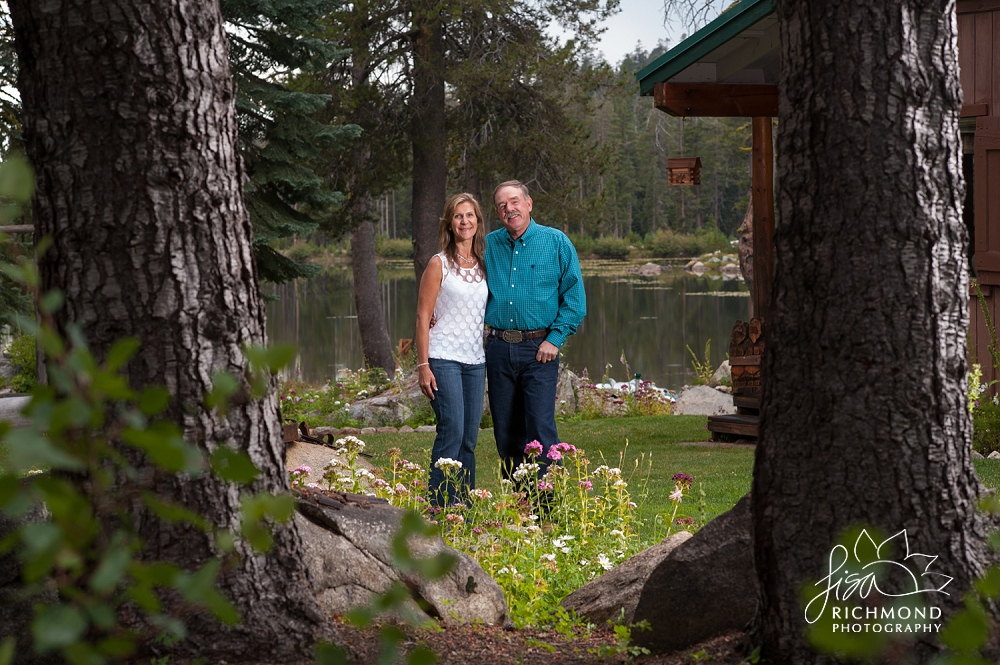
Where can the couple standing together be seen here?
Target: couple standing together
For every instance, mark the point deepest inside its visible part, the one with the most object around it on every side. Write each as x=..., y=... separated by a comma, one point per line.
x=524, y=282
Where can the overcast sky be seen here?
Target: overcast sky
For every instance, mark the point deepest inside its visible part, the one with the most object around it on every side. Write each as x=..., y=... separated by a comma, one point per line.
x=638, y=20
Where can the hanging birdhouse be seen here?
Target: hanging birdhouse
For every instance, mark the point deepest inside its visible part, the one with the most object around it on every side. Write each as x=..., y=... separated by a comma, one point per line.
x=684, y=171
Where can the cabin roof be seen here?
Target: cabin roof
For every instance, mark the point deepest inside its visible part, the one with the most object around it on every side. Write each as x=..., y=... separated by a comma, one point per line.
x=741, y=46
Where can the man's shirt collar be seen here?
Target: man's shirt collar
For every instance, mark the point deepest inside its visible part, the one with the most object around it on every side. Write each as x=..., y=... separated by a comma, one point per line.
x=526, y=236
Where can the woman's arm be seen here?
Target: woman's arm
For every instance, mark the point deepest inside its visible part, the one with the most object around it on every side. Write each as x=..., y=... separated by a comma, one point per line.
x=430, y=285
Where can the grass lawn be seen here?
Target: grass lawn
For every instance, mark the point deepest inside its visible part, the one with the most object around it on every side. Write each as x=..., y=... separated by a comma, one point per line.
x=652, y=442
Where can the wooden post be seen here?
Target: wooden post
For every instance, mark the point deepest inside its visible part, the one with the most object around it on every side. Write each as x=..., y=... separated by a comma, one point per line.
x=762, y=179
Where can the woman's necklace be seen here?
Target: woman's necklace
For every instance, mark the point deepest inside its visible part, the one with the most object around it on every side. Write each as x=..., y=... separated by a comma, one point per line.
x=470, y=261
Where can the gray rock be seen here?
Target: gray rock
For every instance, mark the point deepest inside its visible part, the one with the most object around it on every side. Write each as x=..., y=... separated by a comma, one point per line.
x=393, y=407
x=615, y=594
x=977, y=455
x=427, y=428
x=703, y=401
x=386, y=430
x=7, y=369
x=566, y=391
x=320, y=432
x=731, y=271
x=406, y=429
x=704, y=588
x=316, y=457
x=723, y=372
x=697, y=268
x=10, y=409
x=348, y=548
x=993, y=455
x=368, y=430
x=649, y=270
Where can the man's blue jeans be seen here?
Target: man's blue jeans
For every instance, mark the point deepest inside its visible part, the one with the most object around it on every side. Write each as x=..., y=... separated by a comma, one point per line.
x=522, y=400
x=458, y=405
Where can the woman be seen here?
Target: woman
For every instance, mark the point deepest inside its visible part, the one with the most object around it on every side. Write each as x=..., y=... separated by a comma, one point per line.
x=450, y=359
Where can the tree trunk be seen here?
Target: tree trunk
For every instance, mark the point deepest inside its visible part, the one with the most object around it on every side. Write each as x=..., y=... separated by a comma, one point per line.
x=864, y=416
x=130, y=123
x=430, y=166
x=375, y=342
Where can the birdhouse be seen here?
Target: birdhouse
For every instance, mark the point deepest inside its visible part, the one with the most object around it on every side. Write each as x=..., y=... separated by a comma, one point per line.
x=684, y=171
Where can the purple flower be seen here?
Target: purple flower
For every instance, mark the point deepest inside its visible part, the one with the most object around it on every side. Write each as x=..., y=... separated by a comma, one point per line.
x=544, y=486
x=586, y=484
x=683, y=480
x=554, y=454
x=533, y=449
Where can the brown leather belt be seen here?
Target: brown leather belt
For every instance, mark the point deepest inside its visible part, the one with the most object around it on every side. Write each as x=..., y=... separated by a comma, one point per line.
x=515, y=336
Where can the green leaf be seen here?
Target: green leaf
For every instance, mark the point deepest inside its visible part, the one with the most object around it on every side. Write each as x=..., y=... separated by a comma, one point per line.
x=224, y=386
x=112, y=568
x=326, y=654
x=989, y=583
x=117, y=647
x=163, y=444
x=51, y=343
x=233, y=465
x=172, y=512
x=51, y=301
x=272, y=358
x=103, y=616
x=120, y=353
x=967, y=629
x=27, y=450
x=154, y=400
x=17, y=179
x=194, y=586
x=220, y=606
x=57, y=626
x=422, y=655
x=7, y=651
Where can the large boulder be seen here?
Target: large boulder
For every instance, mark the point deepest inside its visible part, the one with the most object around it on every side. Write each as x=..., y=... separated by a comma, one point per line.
x=704, y=588
x=703, y=401
x=566, y=391
x=614, y=594
x=316, y=457
x=392, y=407
x=347, y=541
x=10, y=409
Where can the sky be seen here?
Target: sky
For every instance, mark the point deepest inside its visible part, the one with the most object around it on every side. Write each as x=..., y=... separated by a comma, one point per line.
x=638, y=20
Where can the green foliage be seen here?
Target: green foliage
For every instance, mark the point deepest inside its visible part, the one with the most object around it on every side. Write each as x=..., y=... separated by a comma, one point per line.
x=668, y=243
x=584, y=244
x=22, y=356
x=393, y=248
x=623, y=640
x=703, y=370
x=611, y=248
x=301, y=252
x=281, y=139
x=330, y=404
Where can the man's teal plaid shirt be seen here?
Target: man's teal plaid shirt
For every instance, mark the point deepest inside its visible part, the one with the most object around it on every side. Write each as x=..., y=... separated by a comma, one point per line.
x=535, y=282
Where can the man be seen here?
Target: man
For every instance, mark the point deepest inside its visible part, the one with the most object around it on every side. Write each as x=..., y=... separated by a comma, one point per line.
x=536, y=300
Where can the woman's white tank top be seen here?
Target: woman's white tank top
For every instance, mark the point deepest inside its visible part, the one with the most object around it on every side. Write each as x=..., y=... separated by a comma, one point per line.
x=459, y=311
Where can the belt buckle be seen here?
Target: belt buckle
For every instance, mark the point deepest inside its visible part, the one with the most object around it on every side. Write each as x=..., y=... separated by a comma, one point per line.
x=512, y=336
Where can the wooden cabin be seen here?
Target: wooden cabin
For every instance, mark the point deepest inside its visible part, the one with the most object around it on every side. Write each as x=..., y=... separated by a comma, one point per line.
x=730, y=68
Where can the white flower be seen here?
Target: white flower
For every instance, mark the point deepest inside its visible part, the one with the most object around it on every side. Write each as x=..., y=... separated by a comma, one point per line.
x=584, y=562
x=677, y=495
x=604, y=562
x=446, y=463
x=547, y=557
x=532, y=528
x=481, y=494
x=506, y=482
x=365, y=473
x=618, y=532
x=525, y=469
x=504, y=571
x=996, y=400
x=619, y=485
x=561, y=541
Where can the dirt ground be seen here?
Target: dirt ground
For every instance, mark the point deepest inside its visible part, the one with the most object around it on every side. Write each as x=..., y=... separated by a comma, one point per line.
x=489, y=645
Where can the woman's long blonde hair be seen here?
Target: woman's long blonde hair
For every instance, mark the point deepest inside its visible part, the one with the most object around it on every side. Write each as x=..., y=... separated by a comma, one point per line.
x=446, y=238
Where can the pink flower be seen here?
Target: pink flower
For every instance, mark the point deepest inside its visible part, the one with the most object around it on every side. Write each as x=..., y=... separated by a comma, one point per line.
x=554, y=454
x=544, y=486
x=565, y=448
x=302, y=469
x=586, y=484
x=677, y=495
x=533, y=449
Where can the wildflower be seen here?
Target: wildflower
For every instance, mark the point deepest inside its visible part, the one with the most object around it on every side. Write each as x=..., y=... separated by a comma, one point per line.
x=677, y=495
x=683, y=521
x=506, y=482
x=302, y=469
x=554, y=454
x=618, y=532
x=630, y=504
x=544, y=486
x=525, y=469
x=337, y=403
x=619, y=484
x=481, y=494
x=547, y=557
x=455, y=518
x=532, y=529
x=586, y=484
x=683, y=480
x=584, y=562
x=533, y=449
x=477, y=531
x=565, y=448
x=446, y=463
x=394, y=452
x=401, y=490
x=604, y=562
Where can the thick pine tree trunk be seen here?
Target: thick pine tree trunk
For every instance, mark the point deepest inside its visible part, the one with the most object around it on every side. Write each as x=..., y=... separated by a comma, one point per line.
x=129, y=121
x=375, y=342
x=430, y=166
x=864, y=418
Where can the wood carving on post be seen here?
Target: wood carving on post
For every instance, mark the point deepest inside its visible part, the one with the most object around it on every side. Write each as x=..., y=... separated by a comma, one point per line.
x=746, y=347
x=129, y=121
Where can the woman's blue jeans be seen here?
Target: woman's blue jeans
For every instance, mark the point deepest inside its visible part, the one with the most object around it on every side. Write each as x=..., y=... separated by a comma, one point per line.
x=458, y=405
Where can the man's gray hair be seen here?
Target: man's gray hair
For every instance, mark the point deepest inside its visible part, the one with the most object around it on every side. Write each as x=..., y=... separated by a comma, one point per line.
x=511, y=183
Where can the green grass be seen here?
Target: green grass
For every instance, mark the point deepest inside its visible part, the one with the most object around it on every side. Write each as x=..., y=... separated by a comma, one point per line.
x=723, y=473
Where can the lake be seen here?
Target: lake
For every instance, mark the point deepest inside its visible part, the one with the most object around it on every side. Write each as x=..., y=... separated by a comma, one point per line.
x=651, y=319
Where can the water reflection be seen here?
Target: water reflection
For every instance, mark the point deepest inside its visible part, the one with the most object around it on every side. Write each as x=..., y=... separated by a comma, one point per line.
x=651, y=319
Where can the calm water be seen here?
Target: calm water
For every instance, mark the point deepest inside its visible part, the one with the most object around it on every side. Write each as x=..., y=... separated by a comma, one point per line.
x=651, y=319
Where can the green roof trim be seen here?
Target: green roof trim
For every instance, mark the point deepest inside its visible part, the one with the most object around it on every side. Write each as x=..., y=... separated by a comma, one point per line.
x=729, y=24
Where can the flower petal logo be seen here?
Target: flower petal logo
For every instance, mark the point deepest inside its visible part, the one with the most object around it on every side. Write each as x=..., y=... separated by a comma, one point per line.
x=867, y=569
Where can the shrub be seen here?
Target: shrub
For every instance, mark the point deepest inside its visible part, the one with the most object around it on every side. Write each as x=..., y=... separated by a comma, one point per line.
x=303, y=251
x=611, y=248
x=663, y=243
x=393, y=248
x=22, y=356
x=583, y=244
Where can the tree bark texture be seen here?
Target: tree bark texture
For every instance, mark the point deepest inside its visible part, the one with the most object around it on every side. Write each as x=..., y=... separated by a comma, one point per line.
x=430, y=165
x=864, y=416
x=130, y=124
x=375, y=342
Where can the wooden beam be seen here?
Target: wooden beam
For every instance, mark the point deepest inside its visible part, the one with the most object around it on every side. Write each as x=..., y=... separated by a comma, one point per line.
x=975, y=6
x=975, y=110
x=762, y=196
x=716, y=100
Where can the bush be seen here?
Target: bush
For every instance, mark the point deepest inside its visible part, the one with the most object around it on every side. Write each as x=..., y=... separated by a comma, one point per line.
x=303, y=251
x=583, y=244
x=393, y=248
x=667, y=243
x=22, y=356
x=663, y=243
x=611, y=248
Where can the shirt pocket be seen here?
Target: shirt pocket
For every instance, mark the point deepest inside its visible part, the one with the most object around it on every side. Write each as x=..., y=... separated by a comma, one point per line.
x=545, y=275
